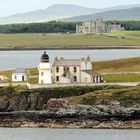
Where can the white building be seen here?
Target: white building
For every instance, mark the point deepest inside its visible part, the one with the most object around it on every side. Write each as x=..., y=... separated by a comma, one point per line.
x=19, y=75
x=45, y=76
x=67, y=71
x=74, y=71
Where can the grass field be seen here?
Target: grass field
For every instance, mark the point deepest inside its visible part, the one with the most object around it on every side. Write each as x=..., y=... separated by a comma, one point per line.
x=124, y=35
x=127, y=38
x=122, y=77
x=127, y=97
x=120, y=65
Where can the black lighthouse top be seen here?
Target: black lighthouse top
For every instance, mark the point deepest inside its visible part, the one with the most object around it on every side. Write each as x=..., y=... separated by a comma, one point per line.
x=44, y=58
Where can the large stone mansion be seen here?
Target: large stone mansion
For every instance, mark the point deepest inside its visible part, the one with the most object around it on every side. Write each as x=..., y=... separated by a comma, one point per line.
x=98, y=26
x=67, y=71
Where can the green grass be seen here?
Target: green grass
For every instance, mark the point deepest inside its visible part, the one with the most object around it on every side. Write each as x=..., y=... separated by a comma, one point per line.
x=33, y=71
x=122, y=77
x=129, y=38
x=7, y=74
x=127, y=97
x=33, y=80
x=120, y=65
x=126, y=34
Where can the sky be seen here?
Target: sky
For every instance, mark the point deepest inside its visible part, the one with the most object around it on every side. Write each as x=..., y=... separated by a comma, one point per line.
x=10, y=7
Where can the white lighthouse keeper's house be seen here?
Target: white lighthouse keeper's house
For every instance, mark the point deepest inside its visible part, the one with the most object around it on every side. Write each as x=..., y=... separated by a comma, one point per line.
x=45, y=76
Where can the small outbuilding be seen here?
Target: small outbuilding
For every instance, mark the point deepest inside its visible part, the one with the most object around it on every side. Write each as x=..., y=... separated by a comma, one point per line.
x=19, y=75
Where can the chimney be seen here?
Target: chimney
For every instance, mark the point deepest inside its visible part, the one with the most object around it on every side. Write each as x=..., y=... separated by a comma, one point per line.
x=82, y=59
x=88, y=58
x=61, y=58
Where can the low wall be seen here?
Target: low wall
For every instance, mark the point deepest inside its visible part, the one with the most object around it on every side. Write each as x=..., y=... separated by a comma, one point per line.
x=13, y=84
x=35, y=86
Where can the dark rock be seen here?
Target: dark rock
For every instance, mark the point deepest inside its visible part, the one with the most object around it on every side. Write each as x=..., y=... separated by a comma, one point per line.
x=3, y=105
x=35, y=101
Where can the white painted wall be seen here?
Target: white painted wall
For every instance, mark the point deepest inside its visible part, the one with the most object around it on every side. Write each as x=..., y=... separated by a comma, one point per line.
x=89, y=66
x=61, y=72
x=45, y=76
x=86, y=78
x=86, y=65
x=83, y=65
x=18, y=77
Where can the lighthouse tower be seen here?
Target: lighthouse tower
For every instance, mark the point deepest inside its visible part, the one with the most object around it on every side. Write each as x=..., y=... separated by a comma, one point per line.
x=45, y=70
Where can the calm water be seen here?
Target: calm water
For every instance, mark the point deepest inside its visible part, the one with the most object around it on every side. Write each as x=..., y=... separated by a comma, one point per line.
x=68, y=134
x=17, y=59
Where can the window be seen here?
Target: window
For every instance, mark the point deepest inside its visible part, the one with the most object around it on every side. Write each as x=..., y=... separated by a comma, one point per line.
x=67, y=68
x=75, y=69
x=57, y=69
x=57, y=78
x=64, y=69
x=75, y=79
x=42, y=73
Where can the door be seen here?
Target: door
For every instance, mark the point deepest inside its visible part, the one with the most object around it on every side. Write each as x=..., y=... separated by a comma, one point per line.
x=23, y=78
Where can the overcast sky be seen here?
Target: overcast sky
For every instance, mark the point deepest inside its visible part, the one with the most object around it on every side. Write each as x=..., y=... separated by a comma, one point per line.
x=10, y=7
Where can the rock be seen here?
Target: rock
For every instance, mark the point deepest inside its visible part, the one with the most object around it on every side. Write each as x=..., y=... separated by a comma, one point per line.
x=35, y=101
x=13, y=104
x=3, y=105
x=58, y=103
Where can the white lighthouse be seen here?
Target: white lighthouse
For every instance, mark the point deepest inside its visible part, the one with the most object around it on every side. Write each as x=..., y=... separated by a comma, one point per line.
x=45, y=70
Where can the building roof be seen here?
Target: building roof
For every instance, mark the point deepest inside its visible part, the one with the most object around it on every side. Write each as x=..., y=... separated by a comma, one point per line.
x=67, y=62
x=92, y=73
x=20, y=70
x=44, y=57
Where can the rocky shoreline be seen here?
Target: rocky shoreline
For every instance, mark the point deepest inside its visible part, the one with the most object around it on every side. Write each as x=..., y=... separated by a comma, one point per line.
x=61, y=114
x=72, y=124
x=22, y=48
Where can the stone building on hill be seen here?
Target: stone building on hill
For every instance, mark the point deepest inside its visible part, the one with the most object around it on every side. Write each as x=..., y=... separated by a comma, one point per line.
x=98, y=26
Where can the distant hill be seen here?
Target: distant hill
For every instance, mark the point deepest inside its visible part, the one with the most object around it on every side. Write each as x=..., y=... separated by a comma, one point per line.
x=121, y=7
x=53, y=12
x=62, y=11
x=125, y=14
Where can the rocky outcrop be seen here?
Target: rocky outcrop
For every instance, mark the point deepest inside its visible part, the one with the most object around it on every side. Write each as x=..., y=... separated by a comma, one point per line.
x=61, y=114
x=3, y=105
x=24, y=102
x=33, y=111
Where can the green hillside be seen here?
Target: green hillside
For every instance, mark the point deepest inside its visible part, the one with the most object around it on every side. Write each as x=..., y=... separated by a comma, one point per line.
x=128, y=97
x=121, y=65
